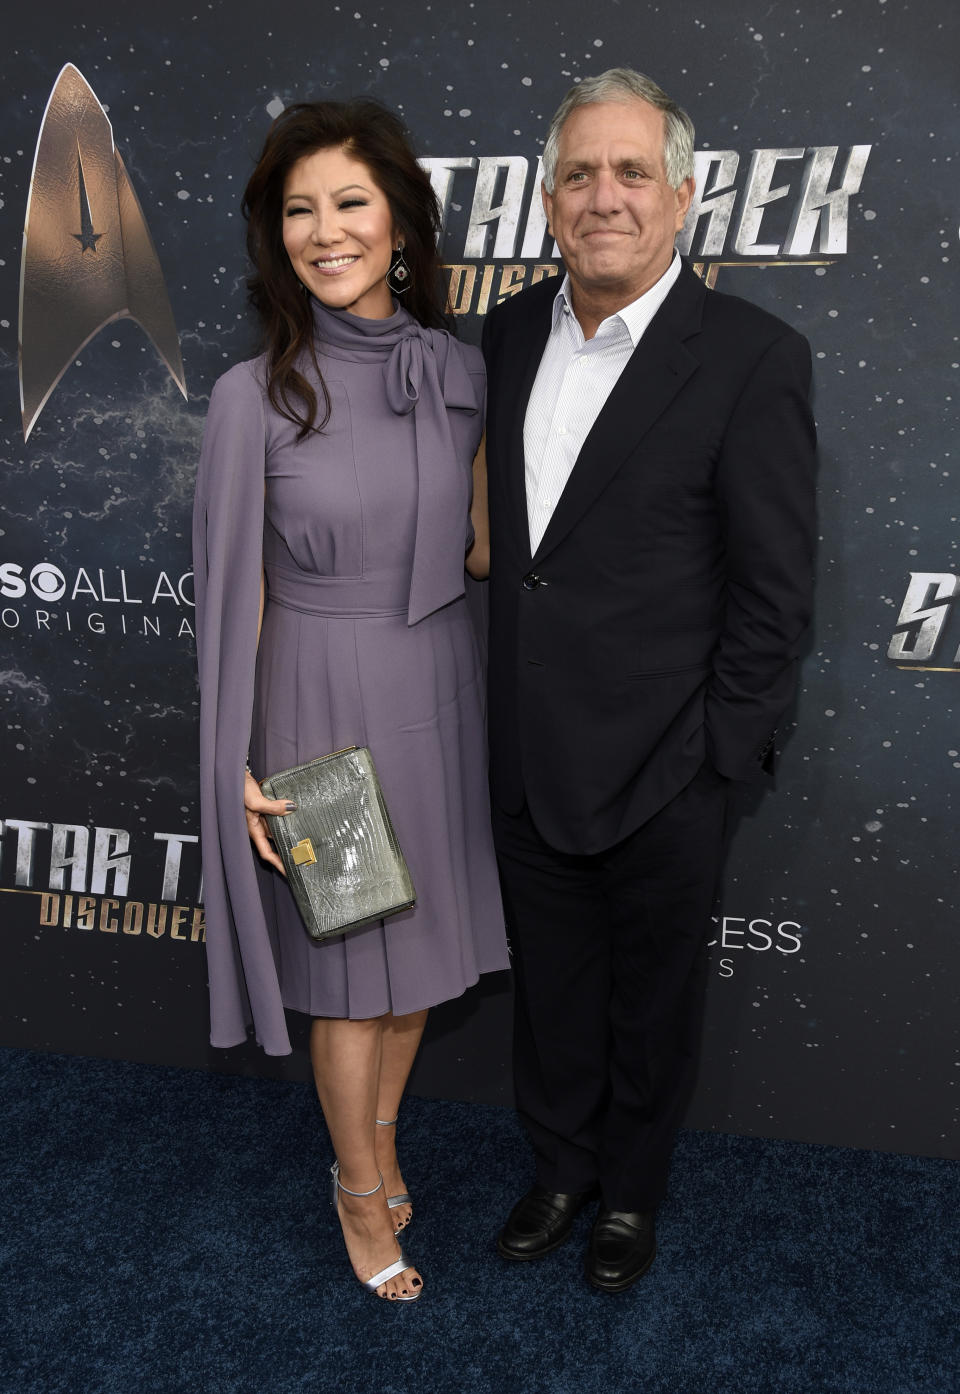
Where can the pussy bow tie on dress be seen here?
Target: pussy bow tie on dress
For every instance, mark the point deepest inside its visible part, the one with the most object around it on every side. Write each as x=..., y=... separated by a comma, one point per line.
x=424, y=369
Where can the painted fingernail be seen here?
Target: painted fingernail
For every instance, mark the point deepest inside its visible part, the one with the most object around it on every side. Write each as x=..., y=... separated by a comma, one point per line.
x=291, y=807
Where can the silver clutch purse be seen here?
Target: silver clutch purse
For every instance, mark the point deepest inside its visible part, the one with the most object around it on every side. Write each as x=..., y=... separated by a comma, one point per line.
x=341, y=855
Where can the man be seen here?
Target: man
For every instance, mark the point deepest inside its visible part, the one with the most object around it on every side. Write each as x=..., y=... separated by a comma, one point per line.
x=651, y=462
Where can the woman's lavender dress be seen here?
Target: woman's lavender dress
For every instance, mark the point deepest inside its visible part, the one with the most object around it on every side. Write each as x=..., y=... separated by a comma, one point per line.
x=366, y=640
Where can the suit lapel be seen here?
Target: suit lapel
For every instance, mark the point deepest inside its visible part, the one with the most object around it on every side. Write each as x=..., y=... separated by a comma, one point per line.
x=656, y=371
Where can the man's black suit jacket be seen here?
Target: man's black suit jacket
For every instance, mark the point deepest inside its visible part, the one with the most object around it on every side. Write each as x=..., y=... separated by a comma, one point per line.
x=658, y=625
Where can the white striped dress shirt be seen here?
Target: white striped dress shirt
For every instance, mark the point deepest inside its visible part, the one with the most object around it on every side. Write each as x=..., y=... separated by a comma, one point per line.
x=575, y=377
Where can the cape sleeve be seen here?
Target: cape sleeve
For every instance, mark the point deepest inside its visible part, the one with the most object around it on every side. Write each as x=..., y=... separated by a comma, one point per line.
x=228, y=552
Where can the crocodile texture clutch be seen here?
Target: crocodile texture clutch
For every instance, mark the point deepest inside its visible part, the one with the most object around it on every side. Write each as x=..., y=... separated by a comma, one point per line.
x=342, y=858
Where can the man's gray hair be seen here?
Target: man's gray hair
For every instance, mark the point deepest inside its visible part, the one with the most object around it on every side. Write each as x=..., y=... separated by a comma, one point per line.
x=624, y=85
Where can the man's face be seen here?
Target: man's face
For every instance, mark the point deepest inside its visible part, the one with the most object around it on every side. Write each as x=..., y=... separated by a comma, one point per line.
x=612, y=211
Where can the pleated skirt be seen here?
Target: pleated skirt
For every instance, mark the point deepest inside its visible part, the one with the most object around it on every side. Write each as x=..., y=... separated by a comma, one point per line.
x=414, y=695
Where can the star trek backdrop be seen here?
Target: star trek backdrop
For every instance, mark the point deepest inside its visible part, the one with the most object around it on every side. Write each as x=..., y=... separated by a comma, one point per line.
x=827, y=145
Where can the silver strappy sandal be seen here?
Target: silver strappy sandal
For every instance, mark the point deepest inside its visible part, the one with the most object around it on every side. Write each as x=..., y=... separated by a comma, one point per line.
x=404, y=1198
x=392, y=1269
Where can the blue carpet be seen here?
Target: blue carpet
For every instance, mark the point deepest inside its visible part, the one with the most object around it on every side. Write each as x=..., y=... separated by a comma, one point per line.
x=168, y=1230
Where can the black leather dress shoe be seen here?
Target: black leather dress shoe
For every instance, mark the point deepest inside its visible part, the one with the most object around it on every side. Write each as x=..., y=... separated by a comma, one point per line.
x=622, y=1247
x=539, y=1223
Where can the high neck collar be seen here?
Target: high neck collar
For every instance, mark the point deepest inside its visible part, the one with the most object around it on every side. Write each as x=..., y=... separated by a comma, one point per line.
x=339, y=329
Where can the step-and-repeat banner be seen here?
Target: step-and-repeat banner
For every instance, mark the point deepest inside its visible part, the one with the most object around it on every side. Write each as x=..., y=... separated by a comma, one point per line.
x=827, y=146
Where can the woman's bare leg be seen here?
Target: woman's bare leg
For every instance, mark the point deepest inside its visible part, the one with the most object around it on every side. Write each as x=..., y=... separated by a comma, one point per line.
x=401, y=1041
x=346, y=1058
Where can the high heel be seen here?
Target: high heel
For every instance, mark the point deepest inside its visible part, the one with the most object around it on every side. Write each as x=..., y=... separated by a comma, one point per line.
x=392, y=1269
x=404, y=1197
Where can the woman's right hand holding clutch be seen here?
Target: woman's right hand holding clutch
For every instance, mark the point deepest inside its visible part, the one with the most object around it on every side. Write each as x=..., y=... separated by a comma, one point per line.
x=255, y=807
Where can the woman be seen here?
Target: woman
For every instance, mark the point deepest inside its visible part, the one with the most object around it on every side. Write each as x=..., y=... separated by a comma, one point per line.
x=331, y=527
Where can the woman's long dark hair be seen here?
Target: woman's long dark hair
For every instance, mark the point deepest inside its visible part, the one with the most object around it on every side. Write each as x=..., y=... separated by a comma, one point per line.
x=368, y=132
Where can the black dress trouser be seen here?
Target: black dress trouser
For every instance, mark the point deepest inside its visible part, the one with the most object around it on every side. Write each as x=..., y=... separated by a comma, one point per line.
x=610, y=966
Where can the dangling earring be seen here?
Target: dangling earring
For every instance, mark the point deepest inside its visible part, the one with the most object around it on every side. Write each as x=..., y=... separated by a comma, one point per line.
x=398, y=277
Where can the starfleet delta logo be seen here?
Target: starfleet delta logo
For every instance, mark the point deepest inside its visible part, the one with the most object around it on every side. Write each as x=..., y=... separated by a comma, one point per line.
x=926, y=637
x=783, y=206
x=88, y=257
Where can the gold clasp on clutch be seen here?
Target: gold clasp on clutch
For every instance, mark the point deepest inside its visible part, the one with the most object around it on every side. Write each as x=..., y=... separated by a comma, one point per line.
x=302, y=853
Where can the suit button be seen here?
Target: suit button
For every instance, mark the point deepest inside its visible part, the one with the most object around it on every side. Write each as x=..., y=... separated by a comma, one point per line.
x=531, y=581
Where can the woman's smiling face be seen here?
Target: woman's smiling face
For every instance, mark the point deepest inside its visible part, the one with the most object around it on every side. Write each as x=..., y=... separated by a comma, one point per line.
x=338, y=232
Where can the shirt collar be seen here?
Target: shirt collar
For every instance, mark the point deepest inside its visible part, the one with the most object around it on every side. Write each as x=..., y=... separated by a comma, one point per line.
x=634, y=317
